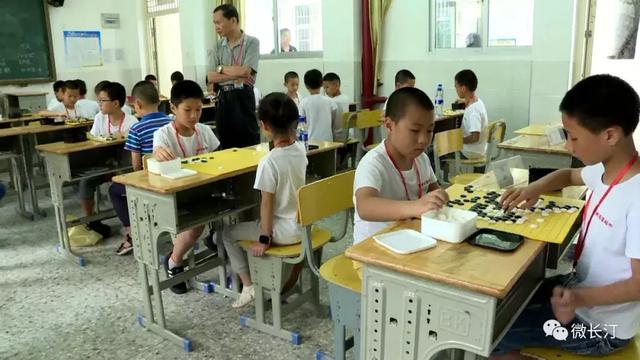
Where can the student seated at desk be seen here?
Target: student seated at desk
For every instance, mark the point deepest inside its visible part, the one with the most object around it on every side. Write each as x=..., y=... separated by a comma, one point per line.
x=331, y=85
x=70, y=108
x=279, y=176
x=395, y=181
x=404, y=78
x=604, y=291
x=176, y=77
x=100, y=86
x=475, y=118
x=182, y=138
x=152, y=79
x=111, y=121
x=139, y=143
x=292, y=82
x=58, y=93
x=90, y=105
x=321, y=112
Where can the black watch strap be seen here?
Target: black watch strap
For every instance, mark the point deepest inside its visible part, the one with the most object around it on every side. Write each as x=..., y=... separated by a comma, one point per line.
x=264, y=239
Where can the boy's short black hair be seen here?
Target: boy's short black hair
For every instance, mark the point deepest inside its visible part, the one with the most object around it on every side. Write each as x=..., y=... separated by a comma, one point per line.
x=58, y=85
x=290, y=75
x=279, y=111
x=401, y=99
x=467, y=78
x=177, y=76
x=186, y=89
x=100, y=86
x=590, y=102
x=146, y=92
x=150, y=77
x=313, y=79
x=332, y=77
x=403, y=76
x=116, y=91
x=71, y=85
x=82, y=86
x=228, y=11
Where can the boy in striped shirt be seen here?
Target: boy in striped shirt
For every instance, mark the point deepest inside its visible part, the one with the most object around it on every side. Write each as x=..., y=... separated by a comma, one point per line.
x=139, y=142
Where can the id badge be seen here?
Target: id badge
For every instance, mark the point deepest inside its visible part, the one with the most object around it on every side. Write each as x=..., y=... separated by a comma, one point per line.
x=238, y=85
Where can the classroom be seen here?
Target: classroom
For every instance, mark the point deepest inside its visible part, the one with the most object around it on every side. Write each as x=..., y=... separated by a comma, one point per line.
x=319, y=179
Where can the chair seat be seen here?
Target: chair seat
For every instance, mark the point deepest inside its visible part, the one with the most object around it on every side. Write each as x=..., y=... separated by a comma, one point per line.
x=339, y=270
x=319, y=237
x=630, y=352
x=465, y=179
x=370, y=147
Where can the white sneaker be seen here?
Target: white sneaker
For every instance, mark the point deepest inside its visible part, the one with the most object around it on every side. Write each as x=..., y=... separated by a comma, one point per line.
x=246, y=296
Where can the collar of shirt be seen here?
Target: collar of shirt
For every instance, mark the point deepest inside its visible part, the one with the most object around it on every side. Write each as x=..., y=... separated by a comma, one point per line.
x=153, y=115
x=225, y=41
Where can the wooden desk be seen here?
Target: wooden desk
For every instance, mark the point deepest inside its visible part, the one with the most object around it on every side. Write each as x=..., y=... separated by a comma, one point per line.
x=65, y=163
x=23, y=119
x=536, y=152
x=534, y=130
x=451, y=296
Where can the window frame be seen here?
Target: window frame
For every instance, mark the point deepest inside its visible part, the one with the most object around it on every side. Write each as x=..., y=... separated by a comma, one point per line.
x=484, y=35
x=276, y=37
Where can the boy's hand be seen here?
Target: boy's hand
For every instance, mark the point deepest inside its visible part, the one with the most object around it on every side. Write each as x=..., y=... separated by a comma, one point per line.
x=563, y=303
x=433, y=200
x=519, y=197
x=161, y=153
x=258, y=249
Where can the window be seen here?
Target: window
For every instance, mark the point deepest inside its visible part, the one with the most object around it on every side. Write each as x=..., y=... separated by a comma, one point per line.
x=297, y=25
x=466, y=23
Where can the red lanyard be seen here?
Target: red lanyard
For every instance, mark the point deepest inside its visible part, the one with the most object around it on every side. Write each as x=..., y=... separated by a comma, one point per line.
x=404, y=182
x=198, y=145
x=585, y=230
x=75, y=113
x=109, y=125
x=237, y=60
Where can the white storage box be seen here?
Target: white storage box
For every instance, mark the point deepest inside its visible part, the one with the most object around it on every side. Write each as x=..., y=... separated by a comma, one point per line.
x=163, y=167
x=449, y=224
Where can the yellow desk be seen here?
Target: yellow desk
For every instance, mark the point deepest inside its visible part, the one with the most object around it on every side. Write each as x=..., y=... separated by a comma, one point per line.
x=453, y=296
x=67, y=163
x=535, y=130
x=536, y=152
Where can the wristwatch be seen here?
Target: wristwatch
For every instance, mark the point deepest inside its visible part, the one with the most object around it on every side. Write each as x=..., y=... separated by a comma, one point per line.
x=219, y=69
x=264, y=239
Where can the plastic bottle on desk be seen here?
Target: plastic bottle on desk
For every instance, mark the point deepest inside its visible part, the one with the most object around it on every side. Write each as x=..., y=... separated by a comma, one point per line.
x=303, y=132
x=439, y=101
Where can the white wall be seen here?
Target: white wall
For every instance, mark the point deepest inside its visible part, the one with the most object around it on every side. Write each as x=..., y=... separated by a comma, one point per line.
x=127, y=41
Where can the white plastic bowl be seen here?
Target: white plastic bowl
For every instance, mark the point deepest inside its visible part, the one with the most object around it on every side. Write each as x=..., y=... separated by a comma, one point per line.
x=459, y=225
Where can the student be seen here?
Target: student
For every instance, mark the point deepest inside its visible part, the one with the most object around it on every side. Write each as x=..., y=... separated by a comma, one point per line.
x=176, y=76
x=394, y=181
x=182, y=138
x=604, y=291
x=91, y=106
x=69, y=106
x=331, y=85
x=100, y=86
x=111, y=121
x=279, y=176
x=475, y=118
x=152, y=79
x=321, y=112
x=139, y=143
x=58, y=93
x=292, y=82
x=404, y=78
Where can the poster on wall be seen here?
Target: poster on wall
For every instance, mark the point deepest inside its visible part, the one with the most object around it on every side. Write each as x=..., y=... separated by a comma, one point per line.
x=626, y=17
x=83, y=48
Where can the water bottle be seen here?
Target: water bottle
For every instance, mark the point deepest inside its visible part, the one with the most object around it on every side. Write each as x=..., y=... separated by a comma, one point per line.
x=303, y=133
x=439, y=101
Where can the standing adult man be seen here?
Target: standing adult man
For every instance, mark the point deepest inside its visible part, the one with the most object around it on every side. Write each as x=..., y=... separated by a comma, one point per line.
x=236, y=67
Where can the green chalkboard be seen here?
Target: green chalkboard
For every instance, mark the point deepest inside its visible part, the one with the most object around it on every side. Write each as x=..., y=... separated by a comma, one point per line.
x=26, y=54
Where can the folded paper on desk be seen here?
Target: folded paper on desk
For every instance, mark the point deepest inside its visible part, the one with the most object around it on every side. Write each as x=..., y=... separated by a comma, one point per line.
x=169, y=169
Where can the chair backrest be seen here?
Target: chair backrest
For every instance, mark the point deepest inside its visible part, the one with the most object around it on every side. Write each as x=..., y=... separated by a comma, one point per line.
x=447, y=142
x=495, y=136
x=325, y=197
x=145, y=158
x=362, y=119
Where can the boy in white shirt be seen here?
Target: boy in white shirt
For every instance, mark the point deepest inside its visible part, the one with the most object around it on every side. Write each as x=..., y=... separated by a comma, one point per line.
x=99, y=86
x=110, y=122
x=182, y=138
x=394, y=181
x=89, y=105
x=321, y=112
x=475, y=118
x=69, y=106
x=331, y=85
x=57, y=94
x=279, y=176
x=292, y=82
x=603, y=291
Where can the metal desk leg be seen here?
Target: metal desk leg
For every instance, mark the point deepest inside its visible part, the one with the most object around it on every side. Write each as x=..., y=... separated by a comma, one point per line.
x=25, y=149
x=16, y=178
